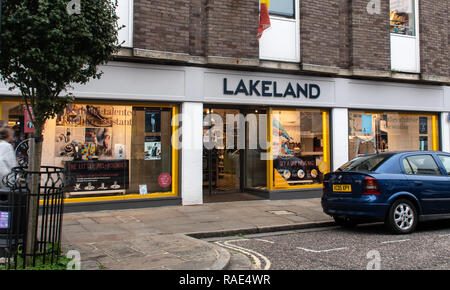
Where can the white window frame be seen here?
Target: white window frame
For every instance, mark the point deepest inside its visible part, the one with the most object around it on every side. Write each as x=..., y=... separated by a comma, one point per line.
x=416, y=37
x=129, y=25
x=295, y=20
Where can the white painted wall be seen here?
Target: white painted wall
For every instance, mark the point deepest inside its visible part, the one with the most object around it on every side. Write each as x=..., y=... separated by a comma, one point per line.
x=405, y=55
x=125, y=13
x=192, y=153
x=339, y=135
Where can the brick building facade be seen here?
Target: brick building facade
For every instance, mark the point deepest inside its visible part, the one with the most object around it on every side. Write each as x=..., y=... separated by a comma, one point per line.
x=340, y=76
x=337, y=37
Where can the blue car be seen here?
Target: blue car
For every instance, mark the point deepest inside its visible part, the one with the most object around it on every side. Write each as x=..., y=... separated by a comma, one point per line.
x=397, y=188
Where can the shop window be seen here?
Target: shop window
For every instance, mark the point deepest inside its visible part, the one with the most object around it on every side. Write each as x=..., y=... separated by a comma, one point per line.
x=402, y=17
x=109, y=151
x=299, y=148
x=383, y=132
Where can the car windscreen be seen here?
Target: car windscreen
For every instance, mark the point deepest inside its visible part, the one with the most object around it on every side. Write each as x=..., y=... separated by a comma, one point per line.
x=365, y=163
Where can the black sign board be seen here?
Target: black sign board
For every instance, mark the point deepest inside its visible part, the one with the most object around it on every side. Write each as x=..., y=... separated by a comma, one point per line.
x=97, y=175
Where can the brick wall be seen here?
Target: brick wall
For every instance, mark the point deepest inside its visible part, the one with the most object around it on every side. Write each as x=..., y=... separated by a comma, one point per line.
x=434, y=37
x=320, y=32
x=370, y=37
x=162, y=25
x=198, y=27
x=232, y=27
x=335, y=33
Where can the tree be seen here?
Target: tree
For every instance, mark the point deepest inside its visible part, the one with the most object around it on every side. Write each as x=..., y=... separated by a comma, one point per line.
x=48, y=45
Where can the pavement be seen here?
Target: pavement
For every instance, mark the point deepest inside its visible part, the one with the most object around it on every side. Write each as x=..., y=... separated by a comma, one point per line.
x=170, y=237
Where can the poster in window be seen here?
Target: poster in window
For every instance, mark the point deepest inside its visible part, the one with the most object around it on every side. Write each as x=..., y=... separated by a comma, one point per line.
x=99, y=116
x=423, y=125
x=120, y=151
x=152, y=149
x=423, y=143
x=297, y=170
x=97, y=175
x=73, y=116
x=152, y=121
x=366, y=121
x=4, y=219
x=102, y=138
x=66, y=140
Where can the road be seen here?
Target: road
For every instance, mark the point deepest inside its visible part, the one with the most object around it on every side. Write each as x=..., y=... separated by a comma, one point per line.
x=334, y=248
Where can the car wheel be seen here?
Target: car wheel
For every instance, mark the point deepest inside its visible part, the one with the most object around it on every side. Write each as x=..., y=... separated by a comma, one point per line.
x=402, y=217
x=345, y=222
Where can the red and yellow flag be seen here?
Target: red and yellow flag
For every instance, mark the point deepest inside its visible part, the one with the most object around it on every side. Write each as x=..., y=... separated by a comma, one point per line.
x=264, y=19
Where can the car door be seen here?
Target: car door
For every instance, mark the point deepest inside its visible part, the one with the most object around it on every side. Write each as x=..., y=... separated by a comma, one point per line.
x=427, y=183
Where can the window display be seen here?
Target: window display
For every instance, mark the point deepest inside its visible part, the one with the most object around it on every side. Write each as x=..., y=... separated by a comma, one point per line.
x=299, y=146
x=402, y=17
x=381, y=132
x=106, y=149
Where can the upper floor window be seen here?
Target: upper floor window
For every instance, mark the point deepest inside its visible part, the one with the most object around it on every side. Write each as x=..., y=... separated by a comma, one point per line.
x=402, y=17
x=284, y=8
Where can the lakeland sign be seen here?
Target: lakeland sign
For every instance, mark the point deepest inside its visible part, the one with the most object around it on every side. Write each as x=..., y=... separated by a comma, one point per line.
x=264, y=88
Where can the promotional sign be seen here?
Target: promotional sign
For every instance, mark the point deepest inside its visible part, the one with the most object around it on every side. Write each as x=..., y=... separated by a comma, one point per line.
x=164, y=180
x=152, y=150
x=97, y=175
x=152, y=121
x=366, y=121
x=297, y=170
x=28, y=126
x=423, y=125
x=4, y=218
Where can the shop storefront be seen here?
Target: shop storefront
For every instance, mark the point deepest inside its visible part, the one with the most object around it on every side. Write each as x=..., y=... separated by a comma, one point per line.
x=110, y=150
x=147, y=135
x=268, y=148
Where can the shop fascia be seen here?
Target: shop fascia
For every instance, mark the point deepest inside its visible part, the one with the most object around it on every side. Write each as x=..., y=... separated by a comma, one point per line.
x=265, y=88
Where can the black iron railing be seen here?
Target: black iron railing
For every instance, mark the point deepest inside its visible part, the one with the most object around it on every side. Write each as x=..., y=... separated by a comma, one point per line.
x=15, y=208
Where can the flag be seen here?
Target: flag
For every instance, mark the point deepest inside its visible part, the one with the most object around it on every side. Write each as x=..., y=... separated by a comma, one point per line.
x=264, y=19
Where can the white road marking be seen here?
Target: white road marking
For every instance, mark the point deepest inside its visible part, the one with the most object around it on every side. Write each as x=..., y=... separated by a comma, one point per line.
x=322, y=251
x=265, y=241
x=254, y=255
x=396, y=241
x=445, y=235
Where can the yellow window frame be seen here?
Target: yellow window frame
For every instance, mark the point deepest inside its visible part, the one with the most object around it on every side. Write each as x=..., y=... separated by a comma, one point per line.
x=326, y=153
x=434, y=123
x=175, y=153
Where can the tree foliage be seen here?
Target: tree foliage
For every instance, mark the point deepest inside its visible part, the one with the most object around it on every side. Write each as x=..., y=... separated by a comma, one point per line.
x=45, y=49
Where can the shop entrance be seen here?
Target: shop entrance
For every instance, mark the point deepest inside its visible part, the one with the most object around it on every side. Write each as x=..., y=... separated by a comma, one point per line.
x=227, y=156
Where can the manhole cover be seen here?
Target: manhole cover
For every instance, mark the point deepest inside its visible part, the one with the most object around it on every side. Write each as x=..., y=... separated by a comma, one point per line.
x=280, y=212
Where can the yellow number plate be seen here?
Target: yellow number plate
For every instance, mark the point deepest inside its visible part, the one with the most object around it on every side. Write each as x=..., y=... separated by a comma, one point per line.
x=342, y=187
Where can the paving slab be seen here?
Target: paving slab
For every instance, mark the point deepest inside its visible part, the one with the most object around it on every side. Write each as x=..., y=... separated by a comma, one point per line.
x=163, y=238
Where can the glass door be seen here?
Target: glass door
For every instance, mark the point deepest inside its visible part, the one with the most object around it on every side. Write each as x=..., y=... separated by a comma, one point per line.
x=221, y=155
